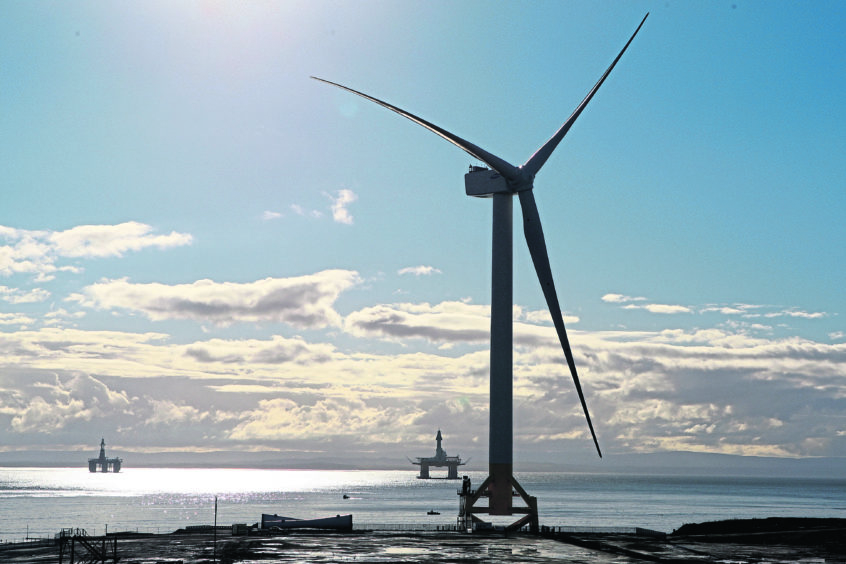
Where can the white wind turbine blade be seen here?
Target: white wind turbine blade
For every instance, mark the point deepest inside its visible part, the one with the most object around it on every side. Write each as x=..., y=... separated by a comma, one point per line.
x=537, y=248
x=509, y=171
x=536, y=161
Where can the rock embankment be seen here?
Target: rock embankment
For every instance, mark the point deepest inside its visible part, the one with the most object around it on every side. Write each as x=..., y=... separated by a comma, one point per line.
x=793, y=531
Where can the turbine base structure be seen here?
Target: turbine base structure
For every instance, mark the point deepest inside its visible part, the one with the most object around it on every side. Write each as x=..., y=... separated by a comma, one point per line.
x=497, y=481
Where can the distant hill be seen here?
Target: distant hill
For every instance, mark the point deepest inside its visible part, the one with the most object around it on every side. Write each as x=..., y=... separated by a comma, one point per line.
x=669, y=463
x=706, y=464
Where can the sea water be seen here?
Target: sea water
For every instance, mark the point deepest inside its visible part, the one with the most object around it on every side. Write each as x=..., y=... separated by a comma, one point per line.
x=38, y=502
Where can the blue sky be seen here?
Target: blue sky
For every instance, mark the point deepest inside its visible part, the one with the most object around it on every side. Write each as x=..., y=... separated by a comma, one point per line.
x=201, y=249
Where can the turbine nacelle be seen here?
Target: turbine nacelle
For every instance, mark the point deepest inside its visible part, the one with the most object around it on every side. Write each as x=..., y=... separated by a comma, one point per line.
x=483, y=182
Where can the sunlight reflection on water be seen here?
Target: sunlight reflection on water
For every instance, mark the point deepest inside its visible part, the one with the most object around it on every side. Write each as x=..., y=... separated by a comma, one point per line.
x=148, y=481
x=40, y=501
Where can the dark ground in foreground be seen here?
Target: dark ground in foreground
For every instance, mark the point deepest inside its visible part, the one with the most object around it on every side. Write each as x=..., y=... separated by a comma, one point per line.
x=750, y=541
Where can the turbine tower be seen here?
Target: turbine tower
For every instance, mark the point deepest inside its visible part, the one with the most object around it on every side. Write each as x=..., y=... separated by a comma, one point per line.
x=501, y=181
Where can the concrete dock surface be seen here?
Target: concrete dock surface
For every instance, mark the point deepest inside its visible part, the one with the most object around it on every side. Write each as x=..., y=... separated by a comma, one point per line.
x=371, y=547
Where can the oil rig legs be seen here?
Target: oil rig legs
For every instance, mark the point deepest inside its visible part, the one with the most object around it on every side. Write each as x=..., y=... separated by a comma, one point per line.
x=105, y=464
x=440, y=460
x=467, y=519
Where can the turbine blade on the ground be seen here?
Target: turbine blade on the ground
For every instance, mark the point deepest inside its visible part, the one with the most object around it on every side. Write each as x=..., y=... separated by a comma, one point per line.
x=537, y=248
x=536, y=161
x=506, y=169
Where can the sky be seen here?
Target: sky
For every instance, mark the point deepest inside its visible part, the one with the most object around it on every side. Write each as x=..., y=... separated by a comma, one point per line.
x=204, y=251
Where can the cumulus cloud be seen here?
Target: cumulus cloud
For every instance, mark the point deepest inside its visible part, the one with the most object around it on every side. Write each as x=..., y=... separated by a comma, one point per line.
x=620, y=299
x=58, y=316
x=706, y=390
x=37, y=252
x=723, y=389
x=448, y=324
x=283, y=418
x=276, y=350
x=57, y=403
x=724, y=309
x=420, y=270
x=626, y=302
x=40, y=416
x=167, y=412
x=797, y=313
x=196, y=394
x=18, y=296
x=15, y=319
x=112, y=240
x=748, y=311
x=302, y=301
x=660, y=308
x=270, y=215
x=544, y=317
x=444, y=322
x=714, y=391
x=340, y=201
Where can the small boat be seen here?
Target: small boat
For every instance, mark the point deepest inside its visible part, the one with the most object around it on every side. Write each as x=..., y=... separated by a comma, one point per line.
x=433, y=512
x=346, y=496
x=338, y=522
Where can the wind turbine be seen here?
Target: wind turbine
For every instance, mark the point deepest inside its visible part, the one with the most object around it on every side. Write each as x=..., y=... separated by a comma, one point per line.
x=501, y=182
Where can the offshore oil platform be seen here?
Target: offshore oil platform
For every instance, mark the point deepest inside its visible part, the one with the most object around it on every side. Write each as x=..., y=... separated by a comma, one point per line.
x=439, y=461
x=105, y=464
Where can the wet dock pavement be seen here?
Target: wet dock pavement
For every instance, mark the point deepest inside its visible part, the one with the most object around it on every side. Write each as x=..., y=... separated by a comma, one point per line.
x=436, y=547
